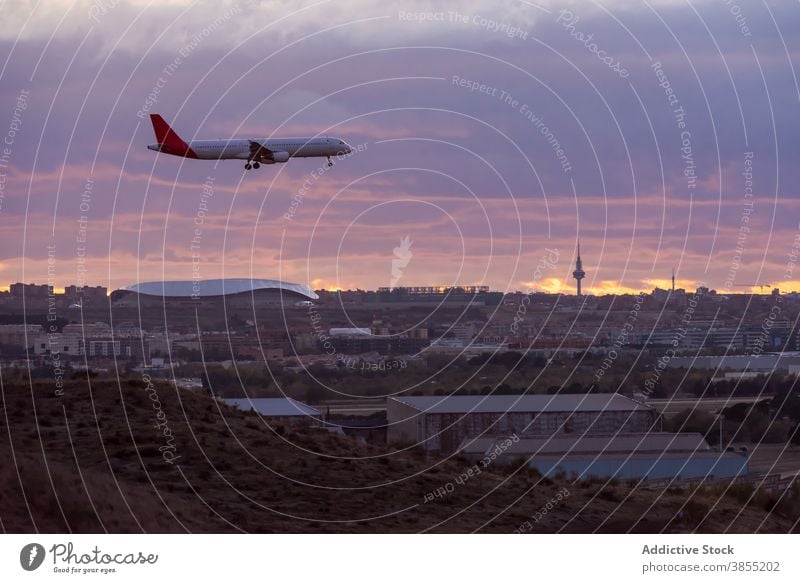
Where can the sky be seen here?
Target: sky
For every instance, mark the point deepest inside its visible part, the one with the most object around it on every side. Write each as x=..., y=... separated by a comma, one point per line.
x=492, y=136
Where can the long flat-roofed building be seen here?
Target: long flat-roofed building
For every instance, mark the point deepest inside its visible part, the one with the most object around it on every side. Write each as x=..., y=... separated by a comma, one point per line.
x=278, y=409
x=443, y=423
x=640, y=456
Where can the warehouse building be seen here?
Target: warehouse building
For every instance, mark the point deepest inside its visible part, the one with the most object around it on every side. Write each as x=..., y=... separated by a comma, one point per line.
x=441, y=424
x=279, y=409
x=766, y=362
x=625, y=456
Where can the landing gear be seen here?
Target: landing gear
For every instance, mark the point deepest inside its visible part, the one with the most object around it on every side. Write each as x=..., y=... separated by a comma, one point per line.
x=330, y=162
x=256, y=165
x=247, y=166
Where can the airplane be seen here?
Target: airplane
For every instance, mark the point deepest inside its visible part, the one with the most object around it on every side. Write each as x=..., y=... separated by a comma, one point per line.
x=254, y=151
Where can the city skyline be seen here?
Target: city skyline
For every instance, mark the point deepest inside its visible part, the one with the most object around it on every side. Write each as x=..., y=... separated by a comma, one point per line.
x=562, y=288
x=549, y=285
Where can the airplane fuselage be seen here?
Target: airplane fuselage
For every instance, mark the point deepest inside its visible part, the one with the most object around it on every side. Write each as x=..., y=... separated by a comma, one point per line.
x=237, y=149
x=253, y=151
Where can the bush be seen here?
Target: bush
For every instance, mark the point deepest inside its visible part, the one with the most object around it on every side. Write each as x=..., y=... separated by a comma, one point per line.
x=778, y=432
x=610, y=494
x=789, y=503
x=695, y=512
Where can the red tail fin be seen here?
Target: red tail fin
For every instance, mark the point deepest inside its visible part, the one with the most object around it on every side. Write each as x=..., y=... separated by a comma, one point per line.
x=165, y=135
x=168, y=140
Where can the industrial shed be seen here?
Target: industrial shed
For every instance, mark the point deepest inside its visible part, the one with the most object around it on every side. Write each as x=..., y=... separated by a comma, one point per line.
x=278, y=409
x=640, y=456
x=443, y=423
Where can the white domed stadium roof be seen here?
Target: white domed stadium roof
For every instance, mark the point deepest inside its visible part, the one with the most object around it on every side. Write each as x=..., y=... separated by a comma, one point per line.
x=216, y=287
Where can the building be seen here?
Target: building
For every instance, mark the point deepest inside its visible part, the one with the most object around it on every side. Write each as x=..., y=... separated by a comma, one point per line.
x=452, y=295
x=114, y=347
x=76, y=292
x=363, y=343
x=87, y=330
x=625, y=456
x=237, y=292
x=455, y=347
x=85, y=296
x=19, y=335
x=65, y=345
x=767, y=362
x=29, y=290
x=278, y=409
x=72, y=345
x=418, y=333
x=443, y=423
x=350, y=331
x=38, y=296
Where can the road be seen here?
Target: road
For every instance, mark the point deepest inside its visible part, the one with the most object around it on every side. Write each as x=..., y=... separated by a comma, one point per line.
x=666, y=407
x=713, y=405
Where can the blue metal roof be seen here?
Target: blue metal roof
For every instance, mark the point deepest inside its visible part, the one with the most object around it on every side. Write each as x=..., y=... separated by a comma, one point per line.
x=274, y=407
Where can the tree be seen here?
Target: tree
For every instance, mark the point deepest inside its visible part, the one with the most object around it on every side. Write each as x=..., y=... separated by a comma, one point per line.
x=692, y=421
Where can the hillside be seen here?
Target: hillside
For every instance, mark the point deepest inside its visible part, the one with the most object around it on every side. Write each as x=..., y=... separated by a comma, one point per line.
x=89, y=461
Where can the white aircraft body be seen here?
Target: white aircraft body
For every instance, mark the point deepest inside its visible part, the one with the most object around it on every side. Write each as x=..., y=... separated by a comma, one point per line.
x=254, y=151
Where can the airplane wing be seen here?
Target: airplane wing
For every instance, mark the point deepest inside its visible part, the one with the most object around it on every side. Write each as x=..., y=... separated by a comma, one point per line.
x=260, y=152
